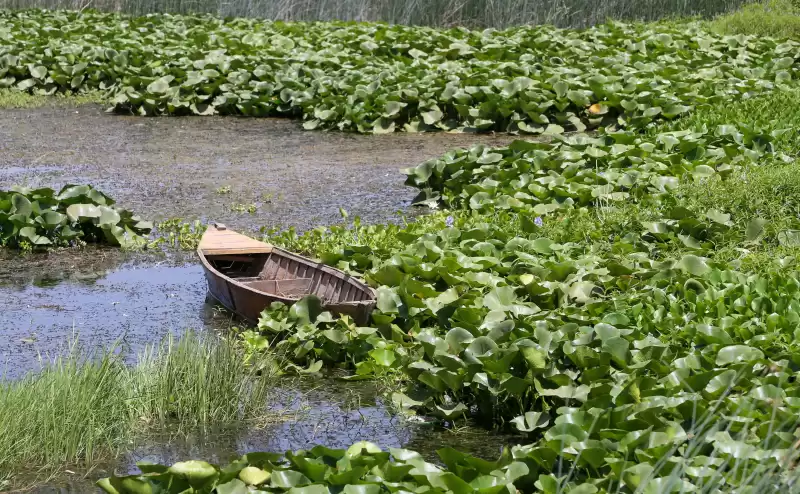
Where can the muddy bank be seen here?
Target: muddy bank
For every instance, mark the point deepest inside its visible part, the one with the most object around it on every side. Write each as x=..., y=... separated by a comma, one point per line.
x=173, y=166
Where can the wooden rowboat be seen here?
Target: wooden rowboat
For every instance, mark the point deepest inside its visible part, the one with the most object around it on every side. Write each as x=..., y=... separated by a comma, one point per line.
x=246, y=276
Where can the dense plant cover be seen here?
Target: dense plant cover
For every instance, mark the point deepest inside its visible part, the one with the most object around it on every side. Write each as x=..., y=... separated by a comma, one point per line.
x=639, y=355
x=632, y=361
x=77, y=213
x=379, y=78
x=545, y=177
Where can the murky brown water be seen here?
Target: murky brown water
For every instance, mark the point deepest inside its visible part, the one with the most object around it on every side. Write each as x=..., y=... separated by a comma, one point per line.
x=172, y=166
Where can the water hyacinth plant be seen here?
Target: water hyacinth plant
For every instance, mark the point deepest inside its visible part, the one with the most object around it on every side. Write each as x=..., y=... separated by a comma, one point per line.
x=376, y=78
x=77, y=213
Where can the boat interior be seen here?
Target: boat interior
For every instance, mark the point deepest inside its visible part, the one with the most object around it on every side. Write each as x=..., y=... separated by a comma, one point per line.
x=286, y=277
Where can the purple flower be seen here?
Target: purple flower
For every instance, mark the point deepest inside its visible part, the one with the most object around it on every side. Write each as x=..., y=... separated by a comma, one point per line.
x=538, y=221
x=449, y=221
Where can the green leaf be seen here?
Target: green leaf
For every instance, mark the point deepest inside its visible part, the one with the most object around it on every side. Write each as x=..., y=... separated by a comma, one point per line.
x=195, y=471
x=253, y=475
x=310, y=489
x=21, y=205
x=235, y=486
x=431, y=117
x=38, y=71
x=33, y=237
x=287, y=479
x=481, y=346
x=754, y=228
x=383, y=356
x=738, y=353
x=789, y=238
x=361, y=489
x=160, y=85
x=306, y=310
x=388, y=301
x=719, y=217
x=52, y=219
x=501, y=298
x=579, y=98
x=108, y=216
x=131, y=485
x=105, y=484
x=696, y=266
x=531, y=421
x=362, y=447
x=81, y=212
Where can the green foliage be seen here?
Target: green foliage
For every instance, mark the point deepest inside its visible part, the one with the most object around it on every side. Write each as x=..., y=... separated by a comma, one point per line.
x=78, y=213
x=84, y=408
x=544, y=178
x=238, y=207
x=627, y=303
x=178, y=233
x=774, y=113
x=361, y=469
x=380, y=78
x=776, y=18
x=632, y=351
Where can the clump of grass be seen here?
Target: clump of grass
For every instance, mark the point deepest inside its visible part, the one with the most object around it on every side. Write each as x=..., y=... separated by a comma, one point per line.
x=12, y=98
x=83, y=409
x=195, y=381
x=68, y=413
x=776, y=18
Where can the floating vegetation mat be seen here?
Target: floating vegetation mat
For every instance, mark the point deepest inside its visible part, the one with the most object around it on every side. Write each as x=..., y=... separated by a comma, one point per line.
x=379, y=78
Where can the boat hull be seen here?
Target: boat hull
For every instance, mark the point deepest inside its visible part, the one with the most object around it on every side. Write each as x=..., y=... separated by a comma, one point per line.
x=247, y=276
x=249, y=304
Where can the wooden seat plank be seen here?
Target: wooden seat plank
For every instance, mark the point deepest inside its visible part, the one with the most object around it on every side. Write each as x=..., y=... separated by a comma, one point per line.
x=222, y=242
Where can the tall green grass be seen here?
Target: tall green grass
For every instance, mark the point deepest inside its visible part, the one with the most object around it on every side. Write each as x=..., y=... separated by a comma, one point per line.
x=442, y=13
x=83, y=408
x=776, y=18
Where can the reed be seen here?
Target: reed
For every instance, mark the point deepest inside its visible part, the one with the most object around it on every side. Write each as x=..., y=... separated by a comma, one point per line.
x=441, y=13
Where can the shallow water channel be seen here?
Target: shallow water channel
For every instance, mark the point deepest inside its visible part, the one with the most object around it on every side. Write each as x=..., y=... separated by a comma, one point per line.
x=174, y=167
x=103, y=297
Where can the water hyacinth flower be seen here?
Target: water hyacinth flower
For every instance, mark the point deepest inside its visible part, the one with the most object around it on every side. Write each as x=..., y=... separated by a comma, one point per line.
x=449, y=221
x=538, y=221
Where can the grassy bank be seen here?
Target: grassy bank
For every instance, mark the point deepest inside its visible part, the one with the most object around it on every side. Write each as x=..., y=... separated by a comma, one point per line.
x=776, y=18
x=83, y=409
